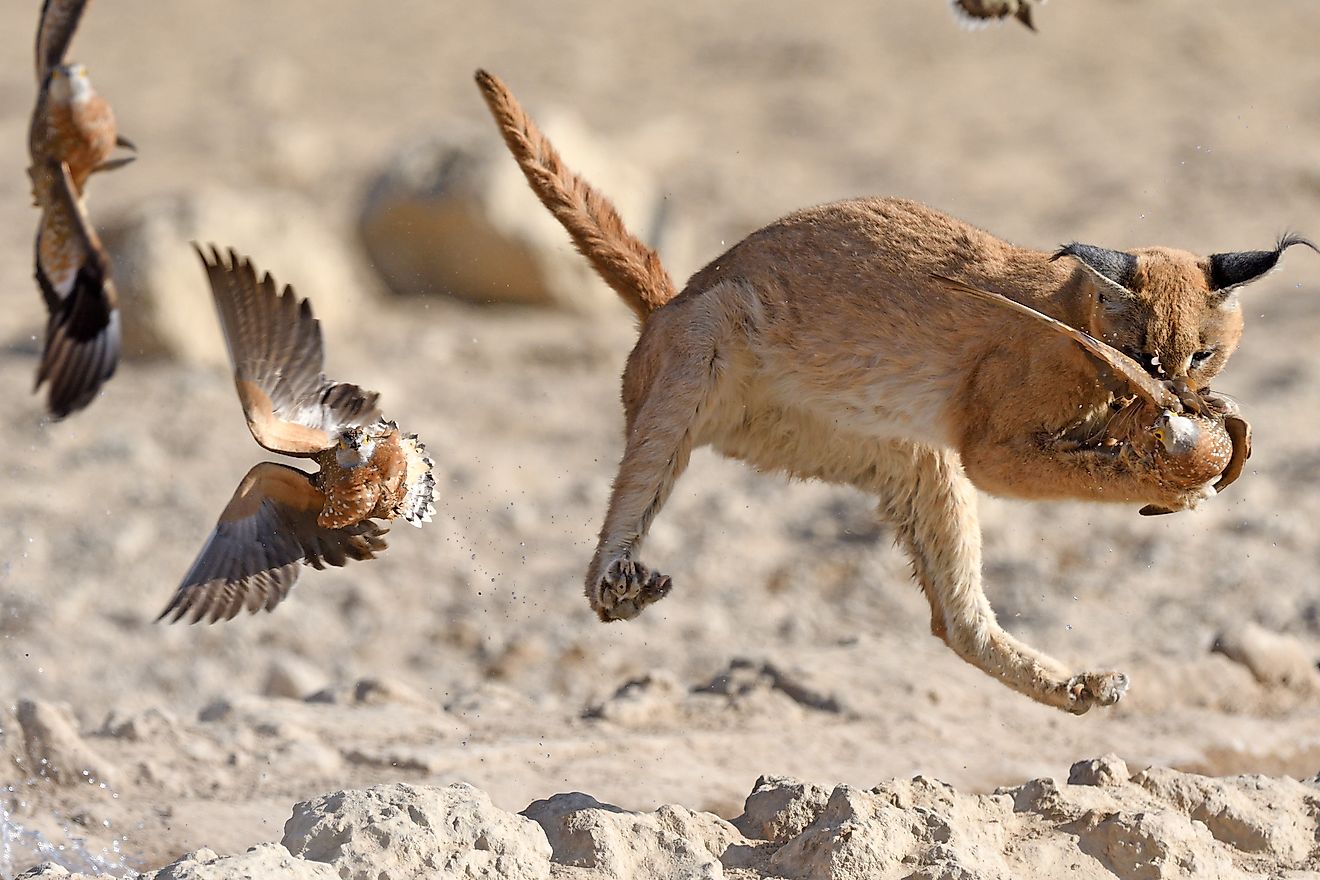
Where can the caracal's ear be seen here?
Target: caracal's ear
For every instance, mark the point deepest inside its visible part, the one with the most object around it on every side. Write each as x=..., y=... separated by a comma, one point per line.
x=1225, y=273
x=1113, y=269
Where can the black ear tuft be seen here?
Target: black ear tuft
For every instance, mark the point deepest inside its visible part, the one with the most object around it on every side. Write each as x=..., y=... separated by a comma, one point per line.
x=1115, y=267
x=1233, y=270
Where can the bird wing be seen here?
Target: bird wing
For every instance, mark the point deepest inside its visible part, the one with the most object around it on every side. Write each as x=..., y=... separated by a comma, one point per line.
x=418, y=505
x=275, y=346
x=1123, y=367
x=266, y=532
x=73, y=273
x=59, y=20
x=978, y=12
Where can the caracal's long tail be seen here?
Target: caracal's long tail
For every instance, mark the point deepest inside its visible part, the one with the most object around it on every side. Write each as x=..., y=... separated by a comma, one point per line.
x=618, y=256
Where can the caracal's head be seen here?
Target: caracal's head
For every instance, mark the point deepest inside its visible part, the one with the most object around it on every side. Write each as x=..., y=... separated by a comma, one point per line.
x=1173, y=312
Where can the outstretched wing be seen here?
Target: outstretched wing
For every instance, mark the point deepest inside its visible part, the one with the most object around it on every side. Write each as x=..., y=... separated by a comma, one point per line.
x=73, y=272
x=59, y=20
x=418, y=504
x=1123, y=367
x=979, y=12
x=266, y=532
x=275, y=346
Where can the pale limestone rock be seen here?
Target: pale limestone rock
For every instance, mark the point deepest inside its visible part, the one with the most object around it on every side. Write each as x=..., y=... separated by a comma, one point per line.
x=167, y=308
x=887, y=832
x=650, y=699
x=586, y=833
x=269, y=860
x=1105, y=770
x=780, y=808
x=452, y=214
x=1157, y=845
x=1253, y=814
x=373, y=692
x=404, y=831
x=1273, y=658
x=292, y=678
x=54, y=748
x=150, y=725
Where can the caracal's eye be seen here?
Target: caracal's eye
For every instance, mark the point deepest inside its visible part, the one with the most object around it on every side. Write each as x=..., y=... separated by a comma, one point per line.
x=1202, y=356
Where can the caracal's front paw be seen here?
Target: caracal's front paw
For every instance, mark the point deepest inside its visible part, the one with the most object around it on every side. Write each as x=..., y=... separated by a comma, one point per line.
x=1089, y=689
x=626, y=588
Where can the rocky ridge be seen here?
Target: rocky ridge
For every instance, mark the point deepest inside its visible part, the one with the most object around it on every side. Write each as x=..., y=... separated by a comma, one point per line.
x=1104, y=821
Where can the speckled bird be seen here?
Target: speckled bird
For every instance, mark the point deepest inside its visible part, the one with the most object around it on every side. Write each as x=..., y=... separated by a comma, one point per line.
x=72, y=134
x=71, y=123
x=73, y=273
x=282, y=517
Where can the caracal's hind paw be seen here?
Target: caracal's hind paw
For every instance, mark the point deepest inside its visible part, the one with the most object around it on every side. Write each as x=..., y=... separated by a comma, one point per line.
x=626, y=588
x=1089, y=689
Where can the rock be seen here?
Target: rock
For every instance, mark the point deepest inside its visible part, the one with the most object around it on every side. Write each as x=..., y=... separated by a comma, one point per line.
x=585, y=833
x=52, y=871
x=373, y=692
x=44, y=871
x=452, y=214
x=1157, y=845
x=268, y=860
x=1105, y=770
x=743, y=677
x=491, y=700
x=651, y=699
x=780, y=808
x=403, y=831
x=1274, y=659
x=55, y=750
x=149, y=725
x=854, y=836
x=1252, y=814
x=167, y=310
x=292, y=678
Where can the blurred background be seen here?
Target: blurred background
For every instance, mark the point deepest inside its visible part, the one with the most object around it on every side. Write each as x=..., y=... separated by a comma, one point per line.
x=344, y=147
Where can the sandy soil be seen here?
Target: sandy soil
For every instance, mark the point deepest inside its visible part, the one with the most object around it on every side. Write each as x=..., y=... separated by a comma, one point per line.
x=1123, y=123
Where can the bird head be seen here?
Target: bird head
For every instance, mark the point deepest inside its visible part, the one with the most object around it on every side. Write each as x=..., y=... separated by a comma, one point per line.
x=355, y=447
x=69, y=82
x=1176, y=433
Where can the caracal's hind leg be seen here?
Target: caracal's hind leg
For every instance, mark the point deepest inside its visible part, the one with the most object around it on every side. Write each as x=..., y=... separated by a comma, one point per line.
x=669, y=383
x=926, y=496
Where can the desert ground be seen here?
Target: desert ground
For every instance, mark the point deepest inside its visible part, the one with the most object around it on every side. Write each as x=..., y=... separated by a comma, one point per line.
x=795, y=643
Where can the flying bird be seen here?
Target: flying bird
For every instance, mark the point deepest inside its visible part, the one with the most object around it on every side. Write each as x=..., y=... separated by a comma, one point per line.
x=282, y=517
x=980, y=12
x=70, y=123
x=72, y=134
x=73, y=273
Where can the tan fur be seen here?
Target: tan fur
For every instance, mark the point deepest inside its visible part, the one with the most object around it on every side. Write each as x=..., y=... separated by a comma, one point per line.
x=821, y=346
x=627, y=265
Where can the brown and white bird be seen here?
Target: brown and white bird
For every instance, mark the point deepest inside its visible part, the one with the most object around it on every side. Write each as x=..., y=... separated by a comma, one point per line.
x=282, y=517
x=981, y=12
x=72, y=134
x=71, y=123
x=1195, y=434
x=73, y=273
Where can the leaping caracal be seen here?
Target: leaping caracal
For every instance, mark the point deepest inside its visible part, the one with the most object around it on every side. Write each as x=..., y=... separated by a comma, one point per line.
x=822, y=346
